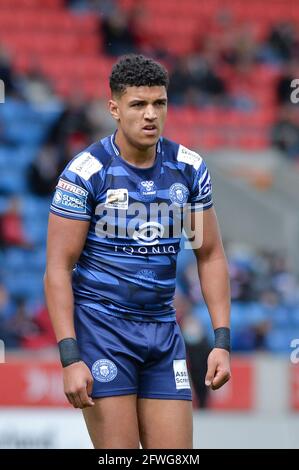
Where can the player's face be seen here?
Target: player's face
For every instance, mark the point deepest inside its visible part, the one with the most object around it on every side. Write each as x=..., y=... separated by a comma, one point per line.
x=141, y=113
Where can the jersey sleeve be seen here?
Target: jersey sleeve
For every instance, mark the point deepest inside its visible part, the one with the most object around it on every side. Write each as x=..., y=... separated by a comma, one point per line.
x=74, y=196
x=201, y=193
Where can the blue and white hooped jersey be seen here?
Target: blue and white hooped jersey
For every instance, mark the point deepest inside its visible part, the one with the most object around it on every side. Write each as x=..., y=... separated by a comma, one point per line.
x=128, y=265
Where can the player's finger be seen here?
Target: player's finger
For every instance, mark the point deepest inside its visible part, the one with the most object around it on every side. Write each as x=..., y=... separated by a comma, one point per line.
x=89, y=387
x=86, y=401
x=220, y=379
x=75, y=401
x=69, y=399
x=210, y=374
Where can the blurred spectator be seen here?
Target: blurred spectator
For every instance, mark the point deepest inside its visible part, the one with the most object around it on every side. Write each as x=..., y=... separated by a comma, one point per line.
x=73, y=120
x=198, y=349
x=282, y=41
x=43, y=172
x=38, y=90
x=181, y=82
x=102, y=7
x=42, y=335
x=6, y=71
x=15, y=321
x=283, y=87
x=11, y=226
x=118, y=33
x=285, y=132
x=100, y=121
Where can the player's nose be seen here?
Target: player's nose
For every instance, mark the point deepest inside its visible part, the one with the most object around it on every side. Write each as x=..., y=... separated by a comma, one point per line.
x=150, y=113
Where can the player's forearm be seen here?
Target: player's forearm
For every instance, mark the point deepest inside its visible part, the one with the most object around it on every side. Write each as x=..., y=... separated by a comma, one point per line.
x=214, y=279
x=60, y=302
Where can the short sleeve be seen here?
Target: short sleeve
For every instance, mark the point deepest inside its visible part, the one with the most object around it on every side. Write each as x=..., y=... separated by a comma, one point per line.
x=74, y=193
x=201, y=193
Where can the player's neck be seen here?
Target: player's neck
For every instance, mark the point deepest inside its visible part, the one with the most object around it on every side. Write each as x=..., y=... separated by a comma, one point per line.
x=137, y=157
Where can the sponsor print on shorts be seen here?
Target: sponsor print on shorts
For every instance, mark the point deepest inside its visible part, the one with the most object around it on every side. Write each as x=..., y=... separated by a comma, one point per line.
x=181, y=374
x=104, y=370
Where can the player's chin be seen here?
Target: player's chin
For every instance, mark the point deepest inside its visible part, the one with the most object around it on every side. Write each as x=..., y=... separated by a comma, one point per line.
x=148, y=140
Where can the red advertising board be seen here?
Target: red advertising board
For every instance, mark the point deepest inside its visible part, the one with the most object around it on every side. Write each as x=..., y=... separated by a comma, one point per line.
x=31, y=383
x=38, y=383
x=239, y=392
x=294, y=389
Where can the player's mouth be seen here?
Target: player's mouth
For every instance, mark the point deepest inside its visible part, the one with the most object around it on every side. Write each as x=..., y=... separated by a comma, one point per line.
x=150, y=129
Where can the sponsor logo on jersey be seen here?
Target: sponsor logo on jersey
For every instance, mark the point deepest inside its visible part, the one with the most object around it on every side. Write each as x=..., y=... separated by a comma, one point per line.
x=147, y=190
x=117, y=198
x=178, y=193
x=104, y=370
x=149, y=233
x=147, y=250
x=181, y=374
x=188, y=156
x=71, y=187
x=85, y=165
x=70, y=197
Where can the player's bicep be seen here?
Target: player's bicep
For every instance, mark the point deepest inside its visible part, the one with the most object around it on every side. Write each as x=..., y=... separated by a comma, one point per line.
x=66, y=239
x=207, y=234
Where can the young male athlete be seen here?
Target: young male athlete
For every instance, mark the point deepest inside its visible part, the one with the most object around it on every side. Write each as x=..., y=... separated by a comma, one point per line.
x=111, y=266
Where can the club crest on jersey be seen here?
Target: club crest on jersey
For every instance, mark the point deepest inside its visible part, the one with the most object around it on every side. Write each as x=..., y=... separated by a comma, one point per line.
x=104, y=370
x=117, y=198
x=145, y=275
x=147, y=190
x=178, y=193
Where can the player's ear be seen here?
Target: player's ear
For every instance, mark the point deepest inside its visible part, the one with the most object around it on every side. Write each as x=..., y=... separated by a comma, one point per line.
x=114, y=110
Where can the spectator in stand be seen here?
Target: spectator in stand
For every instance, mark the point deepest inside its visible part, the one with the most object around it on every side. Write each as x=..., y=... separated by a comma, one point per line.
x=11, y=226
x=283, y=87
x=285, y=132
x=118, y=33
x=43, y=172
x=42, y=335
x=72, y=120
x=6, y=71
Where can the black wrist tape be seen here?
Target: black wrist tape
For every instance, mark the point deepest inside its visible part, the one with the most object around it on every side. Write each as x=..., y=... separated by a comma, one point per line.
x=222, y=338
x=69, y=351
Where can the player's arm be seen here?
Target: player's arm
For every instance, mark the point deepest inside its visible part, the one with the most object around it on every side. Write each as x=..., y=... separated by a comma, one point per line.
x=66, y=239
x=214, y=279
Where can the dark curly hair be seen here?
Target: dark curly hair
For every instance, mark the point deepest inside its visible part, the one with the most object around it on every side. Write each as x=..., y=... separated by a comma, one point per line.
x=137, y=70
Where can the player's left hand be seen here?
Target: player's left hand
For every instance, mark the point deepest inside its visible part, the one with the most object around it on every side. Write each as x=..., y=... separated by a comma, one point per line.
x=218, y=368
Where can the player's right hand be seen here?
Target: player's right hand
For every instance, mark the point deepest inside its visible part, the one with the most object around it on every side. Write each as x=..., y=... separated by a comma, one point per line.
x=77, y=381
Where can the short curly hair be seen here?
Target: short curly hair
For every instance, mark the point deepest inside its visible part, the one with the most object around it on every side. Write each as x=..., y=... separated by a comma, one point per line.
x=137, y=70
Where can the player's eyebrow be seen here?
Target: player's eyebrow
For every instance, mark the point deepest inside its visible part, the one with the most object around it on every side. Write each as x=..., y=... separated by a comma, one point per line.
x=139, y=101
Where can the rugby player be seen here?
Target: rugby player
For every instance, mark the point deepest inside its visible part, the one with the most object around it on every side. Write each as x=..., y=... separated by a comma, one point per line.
x=111, y=269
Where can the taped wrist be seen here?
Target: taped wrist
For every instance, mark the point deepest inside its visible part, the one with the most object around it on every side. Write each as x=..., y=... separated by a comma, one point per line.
x=69, y=351
x=222, y=338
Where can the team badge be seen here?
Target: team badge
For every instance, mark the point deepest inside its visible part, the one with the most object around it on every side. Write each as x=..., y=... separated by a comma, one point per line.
x=104, y=370
x=178, y=193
